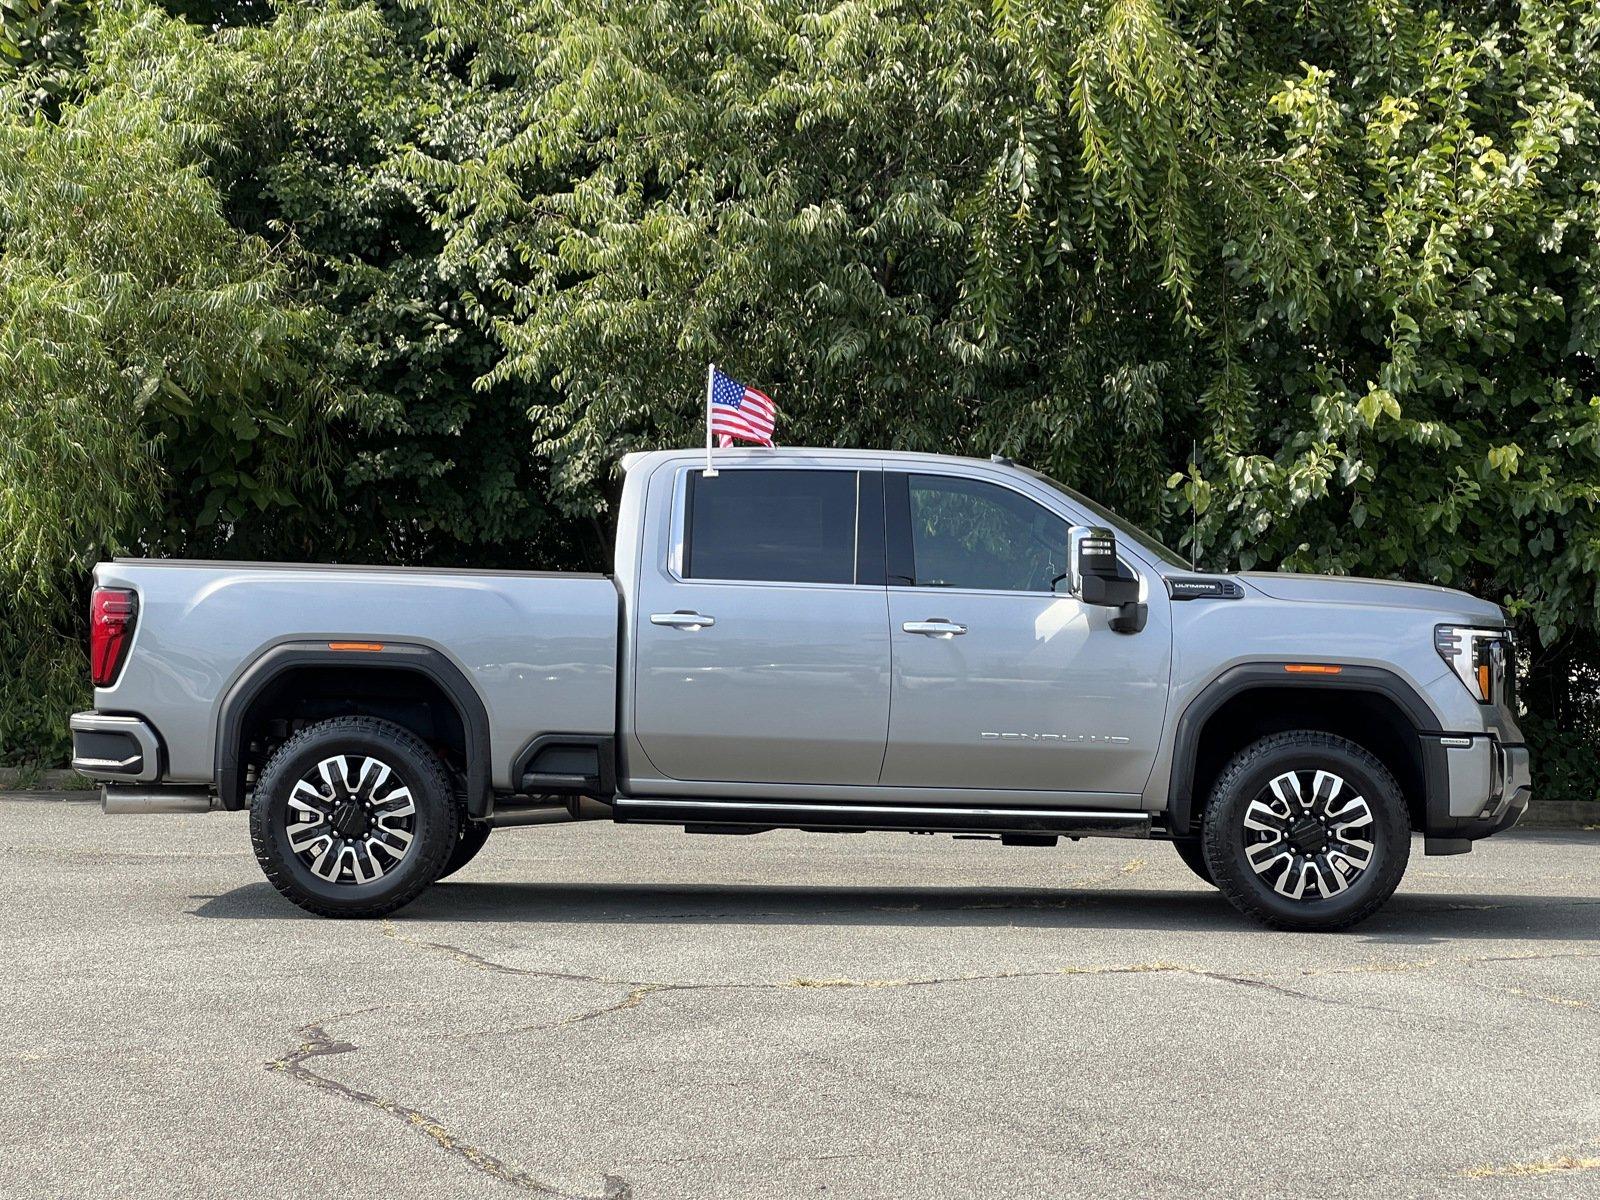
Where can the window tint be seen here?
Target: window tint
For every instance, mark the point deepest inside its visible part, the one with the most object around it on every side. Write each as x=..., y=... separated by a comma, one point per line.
x=772, y=526
x=967, y=534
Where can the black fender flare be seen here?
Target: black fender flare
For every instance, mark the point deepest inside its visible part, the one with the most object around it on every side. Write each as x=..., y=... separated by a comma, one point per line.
x=1255, y=676
x=394, y=656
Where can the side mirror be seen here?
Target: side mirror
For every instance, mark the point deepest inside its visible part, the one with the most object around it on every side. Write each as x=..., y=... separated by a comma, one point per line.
x=1096, y=577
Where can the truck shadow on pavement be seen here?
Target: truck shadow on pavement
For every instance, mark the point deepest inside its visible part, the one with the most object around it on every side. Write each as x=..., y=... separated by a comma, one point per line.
x=1410, y=917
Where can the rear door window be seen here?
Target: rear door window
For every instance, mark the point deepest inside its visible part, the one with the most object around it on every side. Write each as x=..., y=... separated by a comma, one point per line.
x=772, y=526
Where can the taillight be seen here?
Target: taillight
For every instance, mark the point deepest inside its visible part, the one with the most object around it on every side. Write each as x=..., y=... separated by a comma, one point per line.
x=112, y=612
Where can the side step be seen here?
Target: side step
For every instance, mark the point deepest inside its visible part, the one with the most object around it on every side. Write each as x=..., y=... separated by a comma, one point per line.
x=567, y=764
x=768, y=814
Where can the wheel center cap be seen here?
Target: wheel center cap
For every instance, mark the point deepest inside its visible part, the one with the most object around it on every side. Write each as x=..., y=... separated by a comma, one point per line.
x=350, y=819
x=1308, y=836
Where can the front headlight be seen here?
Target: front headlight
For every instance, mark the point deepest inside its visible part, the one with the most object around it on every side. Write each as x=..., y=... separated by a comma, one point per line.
x=1480, y=658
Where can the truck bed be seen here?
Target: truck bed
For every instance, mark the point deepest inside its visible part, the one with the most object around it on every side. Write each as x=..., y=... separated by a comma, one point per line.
x=539, y=647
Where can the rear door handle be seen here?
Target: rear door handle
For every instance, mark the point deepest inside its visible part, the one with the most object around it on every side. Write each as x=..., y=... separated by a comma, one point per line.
x=935, y=627
x=683, y=619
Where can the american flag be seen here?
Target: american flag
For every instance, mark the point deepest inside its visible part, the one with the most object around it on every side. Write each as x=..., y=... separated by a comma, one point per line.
x=740, y=412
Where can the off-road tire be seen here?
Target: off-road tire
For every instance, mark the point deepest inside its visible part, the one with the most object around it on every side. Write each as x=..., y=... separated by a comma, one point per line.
x=473, y=835
x=436, y=821
x=1193, y=852
x=1248, y=776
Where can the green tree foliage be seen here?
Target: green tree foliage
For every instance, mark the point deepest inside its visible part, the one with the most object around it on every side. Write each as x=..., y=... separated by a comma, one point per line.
x=1427, y=408
x=320, y=105
x=135, y=322
x=877, y=208
x=41, y=49
x=1348, y=249
x=1308, y=285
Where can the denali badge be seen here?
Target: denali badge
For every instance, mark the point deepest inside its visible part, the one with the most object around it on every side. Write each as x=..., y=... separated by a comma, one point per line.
x=1057, y=737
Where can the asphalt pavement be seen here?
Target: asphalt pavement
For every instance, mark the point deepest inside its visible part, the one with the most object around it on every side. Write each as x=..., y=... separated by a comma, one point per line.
x=592, y=1011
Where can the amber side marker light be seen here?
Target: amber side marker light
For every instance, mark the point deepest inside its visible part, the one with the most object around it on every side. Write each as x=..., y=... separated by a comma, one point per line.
x=1311, y=669
x=367, y=646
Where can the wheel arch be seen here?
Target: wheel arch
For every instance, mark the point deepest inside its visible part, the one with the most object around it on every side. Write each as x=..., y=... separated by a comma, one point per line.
x=1372, y=706
x=428, y=675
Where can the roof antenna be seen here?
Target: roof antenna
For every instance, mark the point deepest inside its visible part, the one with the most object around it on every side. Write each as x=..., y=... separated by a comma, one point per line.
x=1194, y=512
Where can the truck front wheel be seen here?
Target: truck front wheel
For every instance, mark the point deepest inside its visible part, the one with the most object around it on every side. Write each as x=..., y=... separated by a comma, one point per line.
x=473, y=835
x=1193, y=852
x=1306, y=830
x=353, y=817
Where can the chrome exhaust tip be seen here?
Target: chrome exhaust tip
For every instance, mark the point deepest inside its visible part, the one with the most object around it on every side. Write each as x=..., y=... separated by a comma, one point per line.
x=552, y=810
x=127, y=801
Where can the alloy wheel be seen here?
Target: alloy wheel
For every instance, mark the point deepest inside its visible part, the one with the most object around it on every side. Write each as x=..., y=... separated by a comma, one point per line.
x=1309, y=834
x=350, y=819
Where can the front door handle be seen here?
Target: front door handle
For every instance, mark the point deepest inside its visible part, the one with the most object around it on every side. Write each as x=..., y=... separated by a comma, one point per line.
x=935, y=627
x=683, y=619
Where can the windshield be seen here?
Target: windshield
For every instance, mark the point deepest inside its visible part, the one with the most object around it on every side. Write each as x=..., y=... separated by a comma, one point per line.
x=1121, y=524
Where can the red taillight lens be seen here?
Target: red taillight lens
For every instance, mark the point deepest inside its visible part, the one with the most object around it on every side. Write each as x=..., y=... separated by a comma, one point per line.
x=111, y=616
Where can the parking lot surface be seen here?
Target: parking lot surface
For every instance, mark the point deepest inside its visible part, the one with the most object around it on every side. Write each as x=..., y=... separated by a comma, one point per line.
x=592, y=1011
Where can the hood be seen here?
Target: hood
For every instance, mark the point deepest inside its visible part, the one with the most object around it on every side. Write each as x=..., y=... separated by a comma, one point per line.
x=1381, y=593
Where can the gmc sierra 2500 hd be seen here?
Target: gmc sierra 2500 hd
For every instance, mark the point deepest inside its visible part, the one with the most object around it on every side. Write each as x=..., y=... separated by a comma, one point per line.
x=818, y=640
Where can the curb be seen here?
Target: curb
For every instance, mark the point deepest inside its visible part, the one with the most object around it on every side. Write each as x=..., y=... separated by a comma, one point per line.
x=1562, y=814
x=25, y=779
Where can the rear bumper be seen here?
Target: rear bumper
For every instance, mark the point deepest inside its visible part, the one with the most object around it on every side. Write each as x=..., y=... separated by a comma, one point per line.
x=1477, y=786
x=115, y=748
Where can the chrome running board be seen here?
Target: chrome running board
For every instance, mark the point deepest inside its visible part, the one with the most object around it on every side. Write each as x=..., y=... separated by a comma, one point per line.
x=778, y=814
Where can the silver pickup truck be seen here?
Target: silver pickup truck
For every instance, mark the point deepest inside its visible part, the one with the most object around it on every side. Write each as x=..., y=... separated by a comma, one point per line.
x=821, y=640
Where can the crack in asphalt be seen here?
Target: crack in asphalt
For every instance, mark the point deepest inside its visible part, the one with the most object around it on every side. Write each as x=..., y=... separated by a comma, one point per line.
x=1474, y=960
x=1269, y=986
x=1525, y=993
x=315, y=1042
x=478, y=961
x=1375, y=968
x=1558, y=1001
x=641, y=989
x=1559, y=1165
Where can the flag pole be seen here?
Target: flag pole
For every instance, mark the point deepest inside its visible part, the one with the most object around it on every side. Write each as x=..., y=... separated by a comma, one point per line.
x=711, y=374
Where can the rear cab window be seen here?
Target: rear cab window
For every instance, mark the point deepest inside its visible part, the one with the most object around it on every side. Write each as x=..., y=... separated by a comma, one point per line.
x=784, y=526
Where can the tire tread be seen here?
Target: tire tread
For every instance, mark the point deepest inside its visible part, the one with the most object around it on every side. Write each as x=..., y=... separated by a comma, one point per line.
x=437, y=849
x=470, y=838
x=1214, y=834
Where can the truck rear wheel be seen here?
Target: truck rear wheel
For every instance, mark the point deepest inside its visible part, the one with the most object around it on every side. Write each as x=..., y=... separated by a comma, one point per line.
x=1306, y=831
x=353, y=817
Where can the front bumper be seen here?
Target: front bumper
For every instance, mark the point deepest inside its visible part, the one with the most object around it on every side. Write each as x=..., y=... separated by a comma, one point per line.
x=1517, y=789
x=115, y=748
x=1477, y=786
